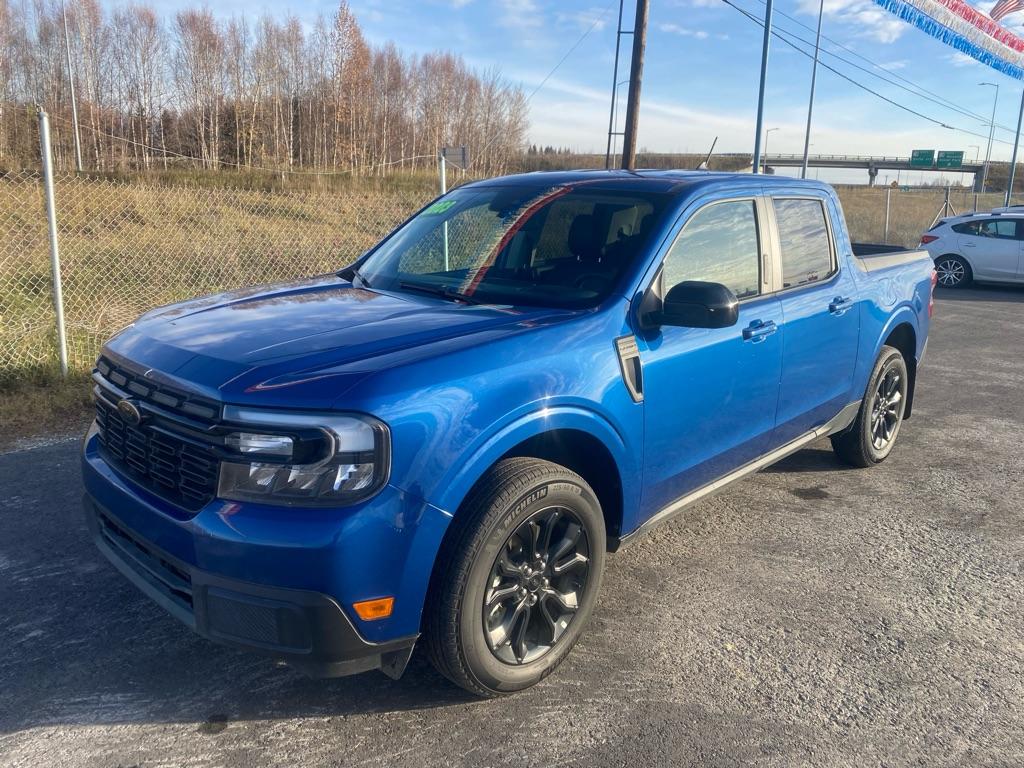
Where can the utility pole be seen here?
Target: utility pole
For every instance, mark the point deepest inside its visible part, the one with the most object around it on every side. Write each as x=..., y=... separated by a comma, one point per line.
x=760, y=92
x=1013, y=162
x=71, y=81
x=810, y=101
x=636, y=72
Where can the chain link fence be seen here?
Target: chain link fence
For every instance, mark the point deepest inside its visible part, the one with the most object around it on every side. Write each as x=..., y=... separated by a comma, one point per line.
x=130, y=246
x=900, y=216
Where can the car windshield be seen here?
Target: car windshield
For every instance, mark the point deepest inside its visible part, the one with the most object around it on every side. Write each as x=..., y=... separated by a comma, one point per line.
x=563, y=246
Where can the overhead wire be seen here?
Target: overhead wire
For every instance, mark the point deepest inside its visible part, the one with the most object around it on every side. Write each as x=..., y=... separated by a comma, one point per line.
x=784, y=35
x=910, y=87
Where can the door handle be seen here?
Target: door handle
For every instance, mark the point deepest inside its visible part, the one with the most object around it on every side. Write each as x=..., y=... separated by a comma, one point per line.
x=970, y=245
x=840, y=304
x=758, y=331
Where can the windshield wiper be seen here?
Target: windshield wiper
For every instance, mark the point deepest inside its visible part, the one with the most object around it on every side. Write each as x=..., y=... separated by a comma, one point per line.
x=444, y=291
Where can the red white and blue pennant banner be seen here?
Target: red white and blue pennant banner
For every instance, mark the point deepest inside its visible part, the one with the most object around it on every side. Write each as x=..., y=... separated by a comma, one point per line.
x=966, y=29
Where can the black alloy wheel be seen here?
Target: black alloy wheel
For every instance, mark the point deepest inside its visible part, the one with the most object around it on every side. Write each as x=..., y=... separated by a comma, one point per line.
x=535, y=586
x=872, y=436
x=517, y=577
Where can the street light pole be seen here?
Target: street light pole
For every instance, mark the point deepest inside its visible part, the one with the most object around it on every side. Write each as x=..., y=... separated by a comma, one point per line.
x=991, y=134
x=760, y=92
x=1013, y=161
x=810, y=100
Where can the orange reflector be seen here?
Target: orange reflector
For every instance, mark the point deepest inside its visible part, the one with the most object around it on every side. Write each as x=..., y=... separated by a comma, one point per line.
x=368, y=610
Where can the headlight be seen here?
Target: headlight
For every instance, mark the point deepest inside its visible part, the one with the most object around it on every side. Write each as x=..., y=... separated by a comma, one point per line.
x=303, y=459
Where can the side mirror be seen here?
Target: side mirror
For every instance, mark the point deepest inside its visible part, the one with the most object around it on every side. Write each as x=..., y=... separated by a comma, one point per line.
x=695, y=304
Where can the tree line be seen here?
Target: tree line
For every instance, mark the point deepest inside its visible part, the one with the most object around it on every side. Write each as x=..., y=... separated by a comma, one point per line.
x=195, y=91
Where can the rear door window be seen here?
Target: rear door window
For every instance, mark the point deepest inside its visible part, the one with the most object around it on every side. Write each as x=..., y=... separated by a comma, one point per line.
x=1001, y=228
x=804, y=240
x=1004, y=228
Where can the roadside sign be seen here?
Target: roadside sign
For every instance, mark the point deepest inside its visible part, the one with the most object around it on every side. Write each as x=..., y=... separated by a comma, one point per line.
x=457, y=156
x=922, y=158
x=949, y=159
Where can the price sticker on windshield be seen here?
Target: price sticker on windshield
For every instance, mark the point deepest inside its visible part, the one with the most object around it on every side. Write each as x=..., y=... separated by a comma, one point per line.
x=439, y=207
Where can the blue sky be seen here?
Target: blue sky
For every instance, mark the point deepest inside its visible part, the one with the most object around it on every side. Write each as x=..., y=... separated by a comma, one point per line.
x=701, y=71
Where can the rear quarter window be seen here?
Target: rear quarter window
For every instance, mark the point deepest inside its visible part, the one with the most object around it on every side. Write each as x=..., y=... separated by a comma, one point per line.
x=804, y=239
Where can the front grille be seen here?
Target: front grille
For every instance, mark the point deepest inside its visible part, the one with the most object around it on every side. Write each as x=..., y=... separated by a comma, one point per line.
x=163, y=574
x=169, y=457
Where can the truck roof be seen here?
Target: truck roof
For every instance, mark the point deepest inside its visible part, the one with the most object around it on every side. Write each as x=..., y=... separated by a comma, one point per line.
x=654, y=180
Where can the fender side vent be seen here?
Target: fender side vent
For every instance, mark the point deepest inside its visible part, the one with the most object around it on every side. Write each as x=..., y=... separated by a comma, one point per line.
x=629, y=362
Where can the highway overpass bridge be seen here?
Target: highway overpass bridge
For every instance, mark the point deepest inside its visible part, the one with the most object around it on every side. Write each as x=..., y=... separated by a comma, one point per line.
x=869, y=163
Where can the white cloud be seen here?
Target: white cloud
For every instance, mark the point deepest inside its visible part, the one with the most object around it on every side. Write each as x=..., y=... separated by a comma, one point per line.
x=892, y=66
x=460, y=3
x=961, y=60
x=675, y=29
x=596, y=18
x=521, y=14
x=867, y=19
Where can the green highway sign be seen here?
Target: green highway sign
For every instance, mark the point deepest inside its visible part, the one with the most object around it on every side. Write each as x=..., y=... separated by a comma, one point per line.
x=922, y=158
x=949, y=160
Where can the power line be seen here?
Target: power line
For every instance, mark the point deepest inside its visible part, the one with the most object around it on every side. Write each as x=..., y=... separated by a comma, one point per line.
x=597, y=20
x=910, y=87
x=783, y=36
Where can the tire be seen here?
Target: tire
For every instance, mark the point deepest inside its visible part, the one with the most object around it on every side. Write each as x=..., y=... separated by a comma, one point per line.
x=498, y=651
x=953, y=271
x=871, y=437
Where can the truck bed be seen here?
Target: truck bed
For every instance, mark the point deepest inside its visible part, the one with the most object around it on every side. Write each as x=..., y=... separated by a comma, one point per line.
x=872, y=257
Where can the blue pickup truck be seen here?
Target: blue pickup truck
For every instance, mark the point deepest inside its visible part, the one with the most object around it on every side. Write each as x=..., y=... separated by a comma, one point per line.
x=443, y=440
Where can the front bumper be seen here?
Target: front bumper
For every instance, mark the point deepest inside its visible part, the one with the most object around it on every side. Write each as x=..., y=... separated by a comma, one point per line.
x=307, y=629
x=277, y=581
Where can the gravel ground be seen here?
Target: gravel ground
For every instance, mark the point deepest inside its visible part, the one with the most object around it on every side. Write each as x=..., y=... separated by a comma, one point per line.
x=812, y=615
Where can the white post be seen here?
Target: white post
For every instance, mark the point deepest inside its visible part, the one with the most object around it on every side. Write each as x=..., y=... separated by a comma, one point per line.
x=51, y=224
x=444, y=189
x=888, y=200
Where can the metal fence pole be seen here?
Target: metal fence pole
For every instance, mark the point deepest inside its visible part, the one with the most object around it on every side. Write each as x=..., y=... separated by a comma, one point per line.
x=51, y=224
x=888, y=203
x=444, y=189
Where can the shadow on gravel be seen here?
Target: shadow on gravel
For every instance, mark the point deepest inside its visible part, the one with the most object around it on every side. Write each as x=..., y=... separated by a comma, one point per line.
x=82, y=647
x=808, y=460
x=1008, y=293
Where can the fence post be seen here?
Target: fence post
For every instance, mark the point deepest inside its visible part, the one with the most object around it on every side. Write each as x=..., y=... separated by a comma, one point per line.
x=51, y=224
x=888, y=200
x=441, y=169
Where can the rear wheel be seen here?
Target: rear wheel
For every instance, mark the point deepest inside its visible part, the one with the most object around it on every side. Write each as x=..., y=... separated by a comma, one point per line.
x=953, y=271
x=872, y=436
x=517, y=579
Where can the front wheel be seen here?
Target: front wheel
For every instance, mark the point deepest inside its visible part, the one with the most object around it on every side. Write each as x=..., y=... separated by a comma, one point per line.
x=517, y=577
x=871, y=437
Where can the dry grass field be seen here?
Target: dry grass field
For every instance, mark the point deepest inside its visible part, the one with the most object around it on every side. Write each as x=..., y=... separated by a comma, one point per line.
x=128, y=246
x=911, y=211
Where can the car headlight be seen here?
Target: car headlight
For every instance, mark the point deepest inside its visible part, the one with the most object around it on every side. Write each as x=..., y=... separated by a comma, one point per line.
x=303, y=459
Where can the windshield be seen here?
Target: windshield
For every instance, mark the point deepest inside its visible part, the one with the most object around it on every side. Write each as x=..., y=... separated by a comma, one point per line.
x=563, y=246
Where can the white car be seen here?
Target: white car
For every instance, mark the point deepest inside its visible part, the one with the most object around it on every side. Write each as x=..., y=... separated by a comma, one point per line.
x=988, y=247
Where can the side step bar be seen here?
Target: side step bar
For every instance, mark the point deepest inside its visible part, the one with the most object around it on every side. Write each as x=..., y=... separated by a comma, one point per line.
x=838, y=423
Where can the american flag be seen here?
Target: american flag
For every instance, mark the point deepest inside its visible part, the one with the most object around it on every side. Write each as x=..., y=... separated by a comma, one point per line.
x=1005, y=8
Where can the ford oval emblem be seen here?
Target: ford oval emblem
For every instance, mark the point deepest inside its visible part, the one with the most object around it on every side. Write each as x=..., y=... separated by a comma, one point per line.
x=130, y=412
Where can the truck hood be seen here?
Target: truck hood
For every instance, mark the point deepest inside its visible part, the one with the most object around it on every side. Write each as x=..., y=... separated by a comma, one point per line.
x=256, y=336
